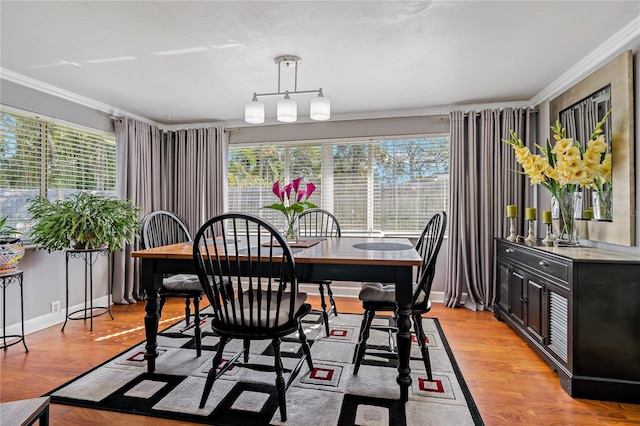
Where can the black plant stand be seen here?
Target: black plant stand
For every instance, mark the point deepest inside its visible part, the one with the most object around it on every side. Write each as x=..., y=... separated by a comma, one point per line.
x=6, y=278
x=89, y=256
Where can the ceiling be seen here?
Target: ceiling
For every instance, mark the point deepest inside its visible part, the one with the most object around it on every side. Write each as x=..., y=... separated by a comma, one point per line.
x=177, y=62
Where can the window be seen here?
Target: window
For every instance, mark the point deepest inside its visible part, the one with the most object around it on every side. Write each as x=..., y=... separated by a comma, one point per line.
x=43, y=157
x=388, y=186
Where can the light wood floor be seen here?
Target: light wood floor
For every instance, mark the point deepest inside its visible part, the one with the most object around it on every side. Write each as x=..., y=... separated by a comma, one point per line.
x=508, y=381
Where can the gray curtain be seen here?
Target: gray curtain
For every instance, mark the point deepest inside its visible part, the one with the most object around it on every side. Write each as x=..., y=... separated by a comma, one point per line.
x=483, y=180
x=196, y=174
x=182, y=171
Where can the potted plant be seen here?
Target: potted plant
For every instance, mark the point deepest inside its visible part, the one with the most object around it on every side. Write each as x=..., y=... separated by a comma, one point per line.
x=11, y=249
x=84, y=221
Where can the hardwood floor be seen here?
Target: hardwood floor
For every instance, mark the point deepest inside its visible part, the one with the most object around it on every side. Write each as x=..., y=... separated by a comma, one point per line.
x=508, y=381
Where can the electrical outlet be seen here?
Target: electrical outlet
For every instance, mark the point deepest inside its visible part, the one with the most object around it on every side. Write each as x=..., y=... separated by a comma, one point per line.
x=55, y=306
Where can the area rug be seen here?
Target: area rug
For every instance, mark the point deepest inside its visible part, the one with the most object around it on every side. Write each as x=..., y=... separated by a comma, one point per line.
x=245, y=394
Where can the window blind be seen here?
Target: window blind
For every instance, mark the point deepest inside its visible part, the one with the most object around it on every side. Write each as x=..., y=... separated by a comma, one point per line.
x=388, y=186
x=41, y=157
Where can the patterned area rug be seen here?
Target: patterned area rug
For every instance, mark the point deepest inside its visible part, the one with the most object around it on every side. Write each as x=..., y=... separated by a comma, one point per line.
x=245, y=394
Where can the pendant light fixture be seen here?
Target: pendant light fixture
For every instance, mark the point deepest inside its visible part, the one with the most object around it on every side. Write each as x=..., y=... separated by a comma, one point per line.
x=287, y=108
x=254, y=111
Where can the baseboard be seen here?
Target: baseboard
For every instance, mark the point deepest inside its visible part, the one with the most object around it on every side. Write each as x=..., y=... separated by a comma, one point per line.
x=39, y=323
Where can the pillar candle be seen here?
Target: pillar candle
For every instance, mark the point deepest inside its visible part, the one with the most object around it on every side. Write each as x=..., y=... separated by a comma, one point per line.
x=546, y=216
x=531, y=213
x=512, y=210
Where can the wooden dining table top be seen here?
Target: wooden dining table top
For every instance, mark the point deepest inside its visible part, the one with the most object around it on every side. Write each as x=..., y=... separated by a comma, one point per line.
x=341, y=250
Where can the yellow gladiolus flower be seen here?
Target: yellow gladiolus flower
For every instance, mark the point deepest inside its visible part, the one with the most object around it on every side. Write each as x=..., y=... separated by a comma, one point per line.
x=562, y=145
x=605, y=168
x=598, y=145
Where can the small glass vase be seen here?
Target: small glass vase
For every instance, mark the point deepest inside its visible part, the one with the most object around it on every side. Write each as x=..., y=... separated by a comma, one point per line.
x=291, y=228
x=602, y=205
x=565, y=211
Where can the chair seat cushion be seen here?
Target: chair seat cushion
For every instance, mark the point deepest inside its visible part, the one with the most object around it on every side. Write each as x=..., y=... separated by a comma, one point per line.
x=182, y=282
x=284, y=316
x=378, y=292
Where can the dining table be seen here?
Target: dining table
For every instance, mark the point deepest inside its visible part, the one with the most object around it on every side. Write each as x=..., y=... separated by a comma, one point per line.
x=359, y=259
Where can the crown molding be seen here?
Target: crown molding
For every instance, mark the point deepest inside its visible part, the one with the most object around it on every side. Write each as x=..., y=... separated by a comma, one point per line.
x=594, y=60
x=69, y=96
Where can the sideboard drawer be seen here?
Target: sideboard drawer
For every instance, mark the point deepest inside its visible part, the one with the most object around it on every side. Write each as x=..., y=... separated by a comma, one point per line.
x=537, y=261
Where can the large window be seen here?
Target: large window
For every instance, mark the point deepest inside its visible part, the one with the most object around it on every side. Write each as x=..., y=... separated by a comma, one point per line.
x=43, y=157
x=386, y=186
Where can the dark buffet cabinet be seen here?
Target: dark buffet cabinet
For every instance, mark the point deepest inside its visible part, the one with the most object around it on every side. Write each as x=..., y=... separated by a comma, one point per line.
x=579, y=309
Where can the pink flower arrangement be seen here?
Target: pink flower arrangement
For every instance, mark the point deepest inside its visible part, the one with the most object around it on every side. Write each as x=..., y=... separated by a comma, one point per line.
x=293, y=201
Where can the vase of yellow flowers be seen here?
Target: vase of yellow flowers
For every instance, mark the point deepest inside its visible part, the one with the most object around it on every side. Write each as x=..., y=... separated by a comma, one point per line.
x=566, y=207
x=562, y=169
x=293, y=201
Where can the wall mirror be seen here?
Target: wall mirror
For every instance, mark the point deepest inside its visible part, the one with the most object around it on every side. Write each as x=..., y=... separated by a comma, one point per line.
x=616, y=78
x=579, y=120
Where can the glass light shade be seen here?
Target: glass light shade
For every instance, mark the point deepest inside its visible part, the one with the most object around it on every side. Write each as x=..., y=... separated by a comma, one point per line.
x=254, y=112
x=320, y=108
x=287, y=110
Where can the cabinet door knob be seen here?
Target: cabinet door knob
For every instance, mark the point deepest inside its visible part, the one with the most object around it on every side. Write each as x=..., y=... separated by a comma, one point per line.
x=543, y=263
x=508, y=250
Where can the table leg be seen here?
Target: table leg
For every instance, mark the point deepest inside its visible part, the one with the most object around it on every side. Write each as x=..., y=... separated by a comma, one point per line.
x=151, y=320
x=403, y=301
x=404, y=350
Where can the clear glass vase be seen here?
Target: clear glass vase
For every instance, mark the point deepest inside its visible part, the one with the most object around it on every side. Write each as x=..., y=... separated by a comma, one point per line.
x=291, y=228
x=602, y=205
x=565, y=209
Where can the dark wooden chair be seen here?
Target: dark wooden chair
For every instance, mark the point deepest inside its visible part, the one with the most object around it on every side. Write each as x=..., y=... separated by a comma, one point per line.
x=320, y=223
x=161, y=228
x=260, y=299
x=377, y=297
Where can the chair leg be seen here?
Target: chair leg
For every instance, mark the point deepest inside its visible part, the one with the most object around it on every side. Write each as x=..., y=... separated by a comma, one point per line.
x=211, y=376
x=196, y=321
x=367, y=319
x=325, y=316
x=163, y=300
x=280, y=388
x=187, y=311
x=305, y=345
x=247, y=345
x=417, y=325
x=333, y=302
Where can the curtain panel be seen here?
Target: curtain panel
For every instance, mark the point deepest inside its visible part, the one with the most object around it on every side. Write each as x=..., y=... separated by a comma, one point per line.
x=483, y=180
x=183, y=171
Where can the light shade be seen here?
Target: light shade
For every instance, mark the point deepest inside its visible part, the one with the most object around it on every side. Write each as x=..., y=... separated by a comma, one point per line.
x=254, y=112
x=320, y=108
x=287, y=110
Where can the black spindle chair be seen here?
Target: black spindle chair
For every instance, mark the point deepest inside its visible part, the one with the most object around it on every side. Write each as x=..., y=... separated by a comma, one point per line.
x=161, y=228
x=260, y=299
x=320, y=223
x=378, y=297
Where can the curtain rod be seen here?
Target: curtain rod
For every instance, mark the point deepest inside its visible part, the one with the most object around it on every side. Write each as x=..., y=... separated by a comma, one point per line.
x=477, y=113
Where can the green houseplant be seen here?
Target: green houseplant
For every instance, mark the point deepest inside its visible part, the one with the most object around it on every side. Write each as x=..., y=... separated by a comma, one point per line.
x=84, y=220
x=11, y=250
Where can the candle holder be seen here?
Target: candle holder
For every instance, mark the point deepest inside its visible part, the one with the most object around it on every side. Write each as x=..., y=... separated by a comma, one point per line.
x=512, y=230
x=549, y=238
x=530, y=238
